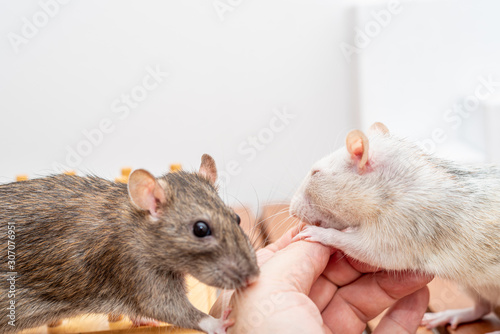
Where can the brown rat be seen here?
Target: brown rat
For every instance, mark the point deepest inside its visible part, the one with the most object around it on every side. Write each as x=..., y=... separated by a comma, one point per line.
x=87, y=245
x=384, y=201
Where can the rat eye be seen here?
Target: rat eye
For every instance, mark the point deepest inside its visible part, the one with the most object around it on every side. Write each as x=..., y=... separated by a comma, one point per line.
x=238, y=219
x=201, y=229
x=314, y=172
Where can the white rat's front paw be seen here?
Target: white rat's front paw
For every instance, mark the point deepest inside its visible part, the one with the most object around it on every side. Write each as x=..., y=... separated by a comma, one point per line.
x=316, y=234
x=216, y=326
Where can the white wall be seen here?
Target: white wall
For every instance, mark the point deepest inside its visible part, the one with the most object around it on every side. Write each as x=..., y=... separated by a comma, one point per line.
x=228, y=73
x=429, y=71
x=225, y=79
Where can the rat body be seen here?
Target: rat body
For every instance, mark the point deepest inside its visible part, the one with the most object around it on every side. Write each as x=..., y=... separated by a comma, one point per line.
x=384, y=201
x=87, y=245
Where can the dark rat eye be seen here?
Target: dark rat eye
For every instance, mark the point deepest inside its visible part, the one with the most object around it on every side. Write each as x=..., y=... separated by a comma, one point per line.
x=201, y=229
x=238, y=219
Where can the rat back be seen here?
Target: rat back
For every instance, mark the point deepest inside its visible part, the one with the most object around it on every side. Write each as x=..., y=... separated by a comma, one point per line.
x=87, y=245
x=58, y=230
x=400, y=208
x=446, y=216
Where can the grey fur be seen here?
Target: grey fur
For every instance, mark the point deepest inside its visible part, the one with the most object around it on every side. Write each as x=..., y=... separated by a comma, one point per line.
x=83, y=247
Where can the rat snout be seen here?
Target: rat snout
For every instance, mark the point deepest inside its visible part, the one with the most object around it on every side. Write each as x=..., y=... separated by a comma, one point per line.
x=297, y=205
x=303, y=208
x=300, y=207
x=238, y=275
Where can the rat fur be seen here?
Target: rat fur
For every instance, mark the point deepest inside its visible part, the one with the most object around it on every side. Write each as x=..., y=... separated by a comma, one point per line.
x=88, y=245
x=384, y=201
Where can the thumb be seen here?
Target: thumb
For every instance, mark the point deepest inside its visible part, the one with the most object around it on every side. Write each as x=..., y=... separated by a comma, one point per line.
x=298, y=265
x=405, y=315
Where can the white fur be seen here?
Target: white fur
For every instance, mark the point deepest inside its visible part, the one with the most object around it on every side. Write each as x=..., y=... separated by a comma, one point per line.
x=211, y=325
x=408, y=210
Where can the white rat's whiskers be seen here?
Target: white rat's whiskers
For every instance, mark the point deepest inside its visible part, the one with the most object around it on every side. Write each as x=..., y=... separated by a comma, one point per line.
x=261, y=224
x=279, y=225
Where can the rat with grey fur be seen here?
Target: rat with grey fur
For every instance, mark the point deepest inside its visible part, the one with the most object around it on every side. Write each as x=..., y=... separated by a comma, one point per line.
x=384, y=201
x=87, y=245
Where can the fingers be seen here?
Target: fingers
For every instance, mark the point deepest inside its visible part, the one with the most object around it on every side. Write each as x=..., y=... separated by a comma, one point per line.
x=298, y=266
x=405, y=316
x=362, y=267
x=399, y=284
x=264, y=254
x=353, y=305
x=221, y=304
x=286, y=238
x=322, y=292
x=279, y=298
x=338, y=272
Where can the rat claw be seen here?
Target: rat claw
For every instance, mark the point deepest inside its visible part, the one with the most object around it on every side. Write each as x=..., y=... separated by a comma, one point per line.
x=301, y=236
x=307, y=234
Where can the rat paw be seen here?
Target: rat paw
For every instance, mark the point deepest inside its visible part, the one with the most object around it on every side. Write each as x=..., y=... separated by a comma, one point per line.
x=452, y=317
x=314, y=234
x=217, y=326
x=432, y=320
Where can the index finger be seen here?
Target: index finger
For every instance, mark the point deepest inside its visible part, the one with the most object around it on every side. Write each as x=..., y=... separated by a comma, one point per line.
x=368, y=296
x=264, y=254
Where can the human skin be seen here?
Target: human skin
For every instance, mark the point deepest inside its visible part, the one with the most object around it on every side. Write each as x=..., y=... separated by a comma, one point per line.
x=305, y=287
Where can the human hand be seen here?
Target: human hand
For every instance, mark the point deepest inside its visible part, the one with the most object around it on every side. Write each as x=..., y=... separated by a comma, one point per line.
x=304, y=288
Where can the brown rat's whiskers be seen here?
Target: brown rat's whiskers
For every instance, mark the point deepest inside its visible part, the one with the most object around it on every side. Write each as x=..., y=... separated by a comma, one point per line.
x=254, y=230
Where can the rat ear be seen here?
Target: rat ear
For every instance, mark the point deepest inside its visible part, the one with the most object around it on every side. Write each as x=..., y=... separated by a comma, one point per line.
x=379, y=127
x=208, y=169
x=145, y=191
x=357, y=146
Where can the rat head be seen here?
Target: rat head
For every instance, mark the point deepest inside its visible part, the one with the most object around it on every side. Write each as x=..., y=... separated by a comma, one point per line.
x=347, y=188
x=187, y=228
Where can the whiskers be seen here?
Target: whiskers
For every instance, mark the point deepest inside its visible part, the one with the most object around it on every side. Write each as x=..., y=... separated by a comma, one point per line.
x=275, y=225
x=228, y=300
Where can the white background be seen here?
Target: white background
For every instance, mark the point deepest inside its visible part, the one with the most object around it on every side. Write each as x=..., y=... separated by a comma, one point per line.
x=228, y=74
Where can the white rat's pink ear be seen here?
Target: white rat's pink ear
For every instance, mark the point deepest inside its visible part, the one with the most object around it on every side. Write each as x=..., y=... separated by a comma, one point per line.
x=379, y=128
x=357, y=146
x=145, y=191
x=208, y=169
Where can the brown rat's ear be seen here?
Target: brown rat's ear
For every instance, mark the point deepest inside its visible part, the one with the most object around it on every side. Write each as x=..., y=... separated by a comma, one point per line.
x=208, y=168
x=145, y=191
x=379, y=127
x=357, y=146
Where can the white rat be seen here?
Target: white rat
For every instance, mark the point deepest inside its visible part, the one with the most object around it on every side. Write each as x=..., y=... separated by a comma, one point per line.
x=384, y=201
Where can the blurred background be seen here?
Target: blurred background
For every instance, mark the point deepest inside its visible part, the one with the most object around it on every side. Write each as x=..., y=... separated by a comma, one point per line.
x=266, y=87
